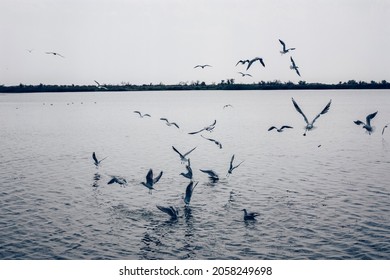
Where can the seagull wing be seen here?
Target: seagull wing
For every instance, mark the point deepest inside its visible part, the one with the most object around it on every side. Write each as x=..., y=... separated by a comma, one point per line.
x=155, y=180
x=177, y=151
x=138, y=112
x=231, y=163
x=286, y=126
x=164, y=119
x=211, y=173
x=187, y=153
x=94, y=158
x=149, y=177
x=324, y=111
x=237, y=165
x=272, y=127
x=293, y=62
x=113, y=180
x=190, y=188
x=296, y=70
x=358, y=122
x=370, y=117
x=169, y=210
x=283, y=44
x=195, y=132
x=97, y=83
x=175, y=124
x=299, y=110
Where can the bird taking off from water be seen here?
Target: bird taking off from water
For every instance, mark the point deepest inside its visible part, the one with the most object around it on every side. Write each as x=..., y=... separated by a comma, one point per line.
x=214, y=141
x=119, y=180
x=202, y=66
x=293, y=66
x=285, y=50
x=249, y=215
x=183, y=157
x=55, y=53
x=189, y=190
x=150, y=181
x=169, y=123
x=207, y=128
x=310, y=125
x=279, y=129
x=170, y=210
x=231, y=167
x=367, y=126
x=141, y=115
x=96, y=161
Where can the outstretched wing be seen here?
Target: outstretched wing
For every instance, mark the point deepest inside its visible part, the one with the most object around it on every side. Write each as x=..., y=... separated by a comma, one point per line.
x=283, y=44
x=242, y=62
x=370, y=117
x=324, y=111
x=272, y=127
x=293, y=62
x=138, y=112
x=286, y=126
x=149, y=177
x=195, y=132
x=231, y=162
x=299, y=110
x=187, y=153
x=164, y=119
x=175, y=124
x=177, y=151
x=157, y=178
x=358, y=122
x=237, y=165
x=169, y=210
x=296, y=70
x=94, y=158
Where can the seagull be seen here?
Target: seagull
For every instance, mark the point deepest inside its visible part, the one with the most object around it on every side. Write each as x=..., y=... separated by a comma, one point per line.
x=100, y=86
x=294, y=66
x=203, y=66
x=245, y=74
x=188, y=175
x=227, y=105
x=96, y=161
x=190, y=188
x=367, y=125
x=213, y=140
x=212, y=175
x=119, y=180
x=249, y=215
x=170, y=210
x=255, y=59
x=183, y=157
x=242, y=61
x=169, y=123
x=279, y=129
x=142, y=115
x=284, y=51
x=231, y=167
x=150, y=181
x=383, y=130
x=208, y=128
x=309, y=126
x=55, y=53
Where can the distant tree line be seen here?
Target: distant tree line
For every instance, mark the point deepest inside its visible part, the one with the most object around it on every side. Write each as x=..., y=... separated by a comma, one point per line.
x=228, y=84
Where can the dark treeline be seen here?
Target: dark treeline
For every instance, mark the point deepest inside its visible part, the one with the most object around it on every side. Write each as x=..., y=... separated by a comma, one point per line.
x=228, y=84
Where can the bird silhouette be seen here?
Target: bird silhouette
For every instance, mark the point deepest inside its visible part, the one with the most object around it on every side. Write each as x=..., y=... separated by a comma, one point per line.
x=294, y=66
x=183, y=156
x=189, y=174
x=150, y=181
x=100, y=86
x=142, y=115
x=245, y=74
x=214, y=141
x=169, y=123
x=172, y=211
x=207, y=128
x=253, y=60
x=249, y=215
x=242, y=62
x=310, y=125
x=231, y=167
x=189, y=190
x=203, y=66
x=55, y=53
x=96, y=161
x=367, y=126
x=285, y=50
x=213, y=176
x=119, y=180
x=279, y=129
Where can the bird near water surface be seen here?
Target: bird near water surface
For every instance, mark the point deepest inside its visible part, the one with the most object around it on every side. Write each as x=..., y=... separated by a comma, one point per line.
x=367, y=126
x=150, y=181
x=183, y=156
x=249, y=215
x=96, y=161
x=172, y=211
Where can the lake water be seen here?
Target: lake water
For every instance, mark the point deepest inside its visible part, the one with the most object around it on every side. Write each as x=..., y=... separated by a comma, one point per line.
x=323, y=196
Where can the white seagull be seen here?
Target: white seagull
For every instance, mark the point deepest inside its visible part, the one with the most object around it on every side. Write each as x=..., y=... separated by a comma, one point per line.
x=189, y=190
x=96, y=161
x=183, y=157
x=367, y=125
x=150, y=181
x=245, y=74
x=142, y=115
x=231, y=167
x=207, y=128
x=294, y=66
x=169, y=123
x=203, y=66
x=100, y=86
x=170, y=210
x=279, y=129
x=310, y=125
x=285, y=50
x=249, y=215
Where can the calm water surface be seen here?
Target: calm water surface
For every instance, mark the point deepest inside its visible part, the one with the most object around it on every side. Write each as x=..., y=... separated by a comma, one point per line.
x=323, y=196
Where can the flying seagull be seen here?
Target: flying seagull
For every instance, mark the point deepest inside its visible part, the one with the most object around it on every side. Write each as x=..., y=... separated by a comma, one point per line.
x=188, y=175
x=212, y=175
x=367, y=125
x=183, y=157
x=245, y=74
x=141, y=115
x=285, y=50
x=294, y=66
x=208, y=128
x=249, y=215
x=96, y=161
x=170, y=210
x=279, y=129
x=255, y=59
x=100, y=86
x=227, y=105
x=169, y=123
x=202, y=66
x=242, y=62
x=383, y=130
x=150, y=181
x=55, y=53
x=231, y=167
x=119, y=180
x=214, y=141
x=189, y=190
x=310, y=125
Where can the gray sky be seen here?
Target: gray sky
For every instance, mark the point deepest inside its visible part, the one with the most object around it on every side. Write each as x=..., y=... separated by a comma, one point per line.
x=153, y=41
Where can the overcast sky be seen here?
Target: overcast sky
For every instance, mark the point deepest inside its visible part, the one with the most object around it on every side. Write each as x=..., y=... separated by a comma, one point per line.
x=153, y=41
